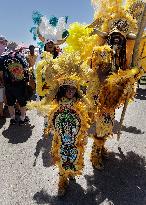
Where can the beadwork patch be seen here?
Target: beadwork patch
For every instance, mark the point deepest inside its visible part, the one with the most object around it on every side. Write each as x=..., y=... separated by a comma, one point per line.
x=16, y=71
x=67, y=123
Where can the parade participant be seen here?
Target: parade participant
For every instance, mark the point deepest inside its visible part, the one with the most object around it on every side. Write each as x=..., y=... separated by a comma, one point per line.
x=31, y=59
x=67, y=113
x=117, y=26
x=51, y=48
x=11, y=47
x=50, y=32
x=109, y=53
x=3, y=44
x=15, y=76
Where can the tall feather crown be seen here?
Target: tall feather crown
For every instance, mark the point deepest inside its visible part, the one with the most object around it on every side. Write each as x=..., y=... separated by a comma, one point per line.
x=52, y=29
x=120, y=15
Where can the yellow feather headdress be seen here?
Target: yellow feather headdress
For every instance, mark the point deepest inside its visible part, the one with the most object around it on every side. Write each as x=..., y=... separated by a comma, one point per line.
x=67, y=69
x=117, y=14
x=135, y=8
x=80, y=41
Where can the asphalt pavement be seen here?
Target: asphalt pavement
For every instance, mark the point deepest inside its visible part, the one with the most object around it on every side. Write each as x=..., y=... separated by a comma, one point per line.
x=28, y=176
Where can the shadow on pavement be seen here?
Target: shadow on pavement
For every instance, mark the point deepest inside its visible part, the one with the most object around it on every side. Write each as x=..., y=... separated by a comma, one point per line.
x=141, y=94
x=44, y=146
x=18, y=134
x=129, y=129
x=2, y=122
x=74, y=196
x=123, y=182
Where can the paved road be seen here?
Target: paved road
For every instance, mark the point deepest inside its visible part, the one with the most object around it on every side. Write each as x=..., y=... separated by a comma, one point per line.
x=28, y=177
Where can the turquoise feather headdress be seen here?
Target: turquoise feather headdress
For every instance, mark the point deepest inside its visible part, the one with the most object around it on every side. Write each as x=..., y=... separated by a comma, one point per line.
x=53, y=29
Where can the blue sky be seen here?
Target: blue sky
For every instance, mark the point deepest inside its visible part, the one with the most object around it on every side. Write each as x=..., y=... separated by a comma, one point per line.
x=16, y=15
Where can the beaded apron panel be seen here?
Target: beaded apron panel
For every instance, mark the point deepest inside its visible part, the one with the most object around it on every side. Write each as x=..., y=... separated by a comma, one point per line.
x=67, y=123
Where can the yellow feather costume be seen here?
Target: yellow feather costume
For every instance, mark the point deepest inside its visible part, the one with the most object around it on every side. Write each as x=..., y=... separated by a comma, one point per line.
x=113, y=88
x=67, y=118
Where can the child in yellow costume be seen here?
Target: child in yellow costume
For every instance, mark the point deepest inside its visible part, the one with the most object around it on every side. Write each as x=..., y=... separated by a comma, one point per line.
x=67, y=113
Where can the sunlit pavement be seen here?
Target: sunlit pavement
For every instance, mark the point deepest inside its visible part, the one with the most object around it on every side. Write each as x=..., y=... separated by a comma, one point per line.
x=28, y=176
